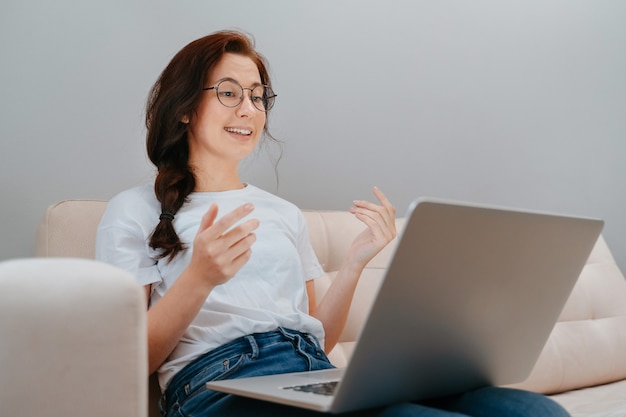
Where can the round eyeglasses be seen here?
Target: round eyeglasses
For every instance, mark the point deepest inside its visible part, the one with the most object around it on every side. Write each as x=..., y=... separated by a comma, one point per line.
x=230, y=94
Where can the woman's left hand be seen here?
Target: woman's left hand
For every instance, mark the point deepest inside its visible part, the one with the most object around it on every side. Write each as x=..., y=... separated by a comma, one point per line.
x=333, y=309
x=380, y=220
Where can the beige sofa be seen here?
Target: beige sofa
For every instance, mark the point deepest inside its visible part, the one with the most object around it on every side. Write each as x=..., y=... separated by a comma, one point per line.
x=73, y=330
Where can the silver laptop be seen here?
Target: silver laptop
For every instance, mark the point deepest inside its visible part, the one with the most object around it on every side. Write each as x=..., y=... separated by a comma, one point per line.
x=469, y=299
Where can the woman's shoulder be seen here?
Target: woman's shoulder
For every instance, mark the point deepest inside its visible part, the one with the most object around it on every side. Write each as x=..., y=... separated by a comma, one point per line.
x=143, y=193
x=134, y=205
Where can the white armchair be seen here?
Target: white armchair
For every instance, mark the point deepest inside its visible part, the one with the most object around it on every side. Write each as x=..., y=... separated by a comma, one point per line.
x=72, y=340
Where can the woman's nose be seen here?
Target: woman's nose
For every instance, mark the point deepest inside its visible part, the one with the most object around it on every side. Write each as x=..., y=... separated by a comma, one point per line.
x=246, y=107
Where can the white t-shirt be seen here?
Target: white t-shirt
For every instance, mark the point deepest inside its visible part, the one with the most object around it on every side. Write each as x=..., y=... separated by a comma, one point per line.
x=269, y=291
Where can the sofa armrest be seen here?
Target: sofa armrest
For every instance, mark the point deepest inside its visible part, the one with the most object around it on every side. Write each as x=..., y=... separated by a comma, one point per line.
x=73, y=339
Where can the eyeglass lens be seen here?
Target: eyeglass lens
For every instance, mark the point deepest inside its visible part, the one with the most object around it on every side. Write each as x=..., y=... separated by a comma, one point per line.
x=230, y=94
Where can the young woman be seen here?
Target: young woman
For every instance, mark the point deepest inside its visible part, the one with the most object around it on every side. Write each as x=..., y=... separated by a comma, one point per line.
x=228, y=268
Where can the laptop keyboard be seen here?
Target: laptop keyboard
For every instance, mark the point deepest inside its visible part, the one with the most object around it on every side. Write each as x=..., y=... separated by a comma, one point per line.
x=321, y=388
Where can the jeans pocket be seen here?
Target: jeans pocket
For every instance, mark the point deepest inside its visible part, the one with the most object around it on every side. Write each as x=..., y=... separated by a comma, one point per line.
x=197, y=395
x=220, y=369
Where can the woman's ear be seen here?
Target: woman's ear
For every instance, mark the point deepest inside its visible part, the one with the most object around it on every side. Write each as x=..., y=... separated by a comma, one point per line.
x=185, y=119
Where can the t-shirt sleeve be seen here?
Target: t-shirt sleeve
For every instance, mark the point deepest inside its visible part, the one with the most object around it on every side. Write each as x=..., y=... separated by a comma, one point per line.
x=121, y=240
x=310, y=264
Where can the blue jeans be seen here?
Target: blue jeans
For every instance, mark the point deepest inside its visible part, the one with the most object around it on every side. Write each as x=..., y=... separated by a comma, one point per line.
x=286, y=350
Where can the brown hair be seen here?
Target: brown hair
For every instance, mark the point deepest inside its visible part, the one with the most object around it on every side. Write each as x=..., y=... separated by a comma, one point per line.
x=175, y=96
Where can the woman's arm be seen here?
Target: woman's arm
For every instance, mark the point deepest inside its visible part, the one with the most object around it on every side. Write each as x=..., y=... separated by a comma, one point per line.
x=333, y=308
x=218, y=253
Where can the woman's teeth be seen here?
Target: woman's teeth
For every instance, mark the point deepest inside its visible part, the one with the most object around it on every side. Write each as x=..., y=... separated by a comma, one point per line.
x=239, y=131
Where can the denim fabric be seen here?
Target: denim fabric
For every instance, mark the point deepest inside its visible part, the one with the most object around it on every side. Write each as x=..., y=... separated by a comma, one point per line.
x=274, y=352
x=286, y=350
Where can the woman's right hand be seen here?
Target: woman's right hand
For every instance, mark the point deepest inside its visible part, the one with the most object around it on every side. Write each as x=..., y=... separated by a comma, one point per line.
x=219, y=249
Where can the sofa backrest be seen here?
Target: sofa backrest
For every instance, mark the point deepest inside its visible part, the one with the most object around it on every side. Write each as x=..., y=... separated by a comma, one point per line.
x=584, y=349
x=69, y=228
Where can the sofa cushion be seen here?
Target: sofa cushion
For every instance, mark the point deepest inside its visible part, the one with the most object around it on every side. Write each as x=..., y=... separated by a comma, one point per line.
x=600, y=401
x=588, y=344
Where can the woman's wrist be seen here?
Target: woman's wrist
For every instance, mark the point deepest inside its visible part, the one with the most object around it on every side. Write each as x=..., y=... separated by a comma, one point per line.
x=195, y=278
x=353, y=265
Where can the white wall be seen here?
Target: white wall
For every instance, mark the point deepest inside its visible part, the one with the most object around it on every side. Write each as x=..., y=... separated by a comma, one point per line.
x=518, y=103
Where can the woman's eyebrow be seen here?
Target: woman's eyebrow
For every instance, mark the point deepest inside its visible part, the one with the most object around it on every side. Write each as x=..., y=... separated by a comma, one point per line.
x=255, y=84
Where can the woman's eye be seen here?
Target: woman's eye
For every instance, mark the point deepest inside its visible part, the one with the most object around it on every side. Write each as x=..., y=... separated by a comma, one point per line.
x=227, y=94
x=257, y=99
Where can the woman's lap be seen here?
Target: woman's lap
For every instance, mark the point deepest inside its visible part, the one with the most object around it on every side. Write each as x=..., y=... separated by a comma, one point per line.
x=484, y=402
x=494, y=401
x=497, y=401
x=233, y=406
x=288, y=351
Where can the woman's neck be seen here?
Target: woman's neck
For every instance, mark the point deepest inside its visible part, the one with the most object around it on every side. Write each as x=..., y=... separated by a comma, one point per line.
x=213, y=173
x=213, y=186
x=217, y=180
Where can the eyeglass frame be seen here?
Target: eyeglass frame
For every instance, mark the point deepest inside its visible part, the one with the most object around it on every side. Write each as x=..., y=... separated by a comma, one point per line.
x=266, y=87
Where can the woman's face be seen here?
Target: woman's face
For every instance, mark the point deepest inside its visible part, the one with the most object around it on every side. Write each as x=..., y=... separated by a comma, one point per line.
x=226, y=134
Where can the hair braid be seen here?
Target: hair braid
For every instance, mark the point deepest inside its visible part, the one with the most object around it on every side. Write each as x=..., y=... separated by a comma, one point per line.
x=172, y=186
